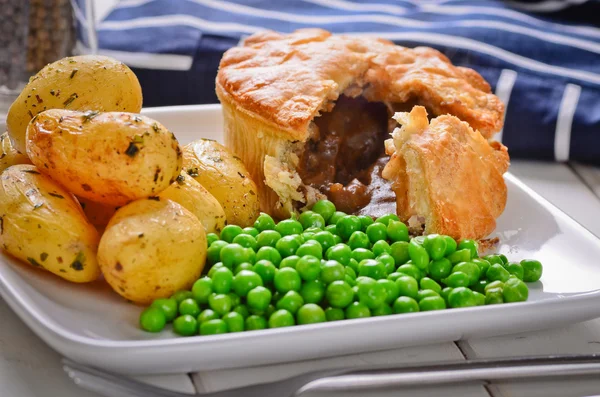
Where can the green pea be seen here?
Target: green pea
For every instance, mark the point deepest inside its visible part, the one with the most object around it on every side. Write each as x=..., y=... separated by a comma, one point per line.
x=339, y=294
x=243, y=266
x=399, y=251
x=153, y=319
x=189, y=306
x=214, y=268
x=372, y=268
x=245, y=281
x=383, y=310
x=419, y=240
x=289, y=227
x=252, y=231
x=503, y=258
x=270, y=310
x=331, y=229
x=470, y=269
x=532, y=270
x=494, y=259
x=310, y=219
x=457, y=279
x=182, y=295
x=267, y=238
x=287, y=246
x=480, y=286
x=359, y=239
x=290, y=261
x=463, y=255
x=350, y=272
x=168, y=306
x=312, y=291
x=494, y=296
x=234, y=322
x=395, y=276
x=440, y=269
x=410, y=270
x=425, y=293
x=418, y=255
x=445, y=292
x=281, y=318
x=242, y=310
x=259, y=298
x=385, y=219
x=372, y=295
x=213, y=327
x=515, y=290
x=515, y=269
x=325, y=208
x=357, y=310
x=381, y=247
x=308, y=267
x=497, y=272
x=255, y=322
x=353, y=264
x=312, y=248
x=331, y=271
x=479, y=298
x=213, y=254
x=427, y=283
x=376, y=232
x=365, y=220
x=185, y=325
x=483, y=266
x=435, y=246
x=264, y=222
x=397, y=231
x=202, y=289
x=287, y=279
x=246, y=241
x=334, y=314
x=207, y=315
x=265, y=269
x=310, y=314
x=337, y=215
x=291, y=302
x=221, y=280
x=325, y=239
x=471, y=245
x=233, y=254
x=348, y=225
x=229, y=232
x=450, y=245
x=461, y=297
x=220, y=303
x=432, y=303
x=388, y=263
x=360, y=254
x=405, y=304
x=211, y=238
x=392, y=289
x=270, y=254
x=337, y=239
x=339, y=252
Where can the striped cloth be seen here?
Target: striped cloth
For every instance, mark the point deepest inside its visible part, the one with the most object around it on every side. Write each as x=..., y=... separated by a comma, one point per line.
x=539, y=57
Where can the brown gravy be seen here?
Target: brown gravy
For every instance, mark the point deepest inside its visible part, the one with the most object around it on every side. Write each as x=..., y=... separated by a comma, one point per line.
x=345, y=158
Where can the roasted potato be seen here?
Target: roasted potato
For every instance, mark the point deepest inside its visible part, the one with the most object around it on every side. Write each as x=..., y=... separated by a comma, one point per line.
x=110, y=158
x=196, y=199
x=152, y=248
x=9, y=155
x=98, y=214
x=87, y=82
x=43, y=224
x=225, y=177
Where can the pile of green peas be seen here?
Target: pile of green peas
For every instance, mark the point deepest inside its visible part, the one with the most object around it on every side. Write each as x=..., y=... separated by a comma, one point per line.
x=326, y=265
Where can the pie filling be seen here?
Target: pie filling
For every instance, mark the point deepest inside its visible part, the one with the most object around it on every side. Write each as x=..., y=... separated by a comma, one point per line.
x=345, y=157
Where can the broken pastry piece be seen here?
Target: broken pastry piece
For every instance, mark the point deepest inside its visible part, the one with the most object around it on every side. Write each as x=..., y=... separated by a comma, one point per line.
x=446, y=175
x=308, y=113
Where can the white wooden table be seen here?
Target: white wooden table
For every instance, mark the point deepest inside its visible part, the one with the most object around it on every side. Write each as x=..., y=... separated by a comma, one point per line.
x=29, y=368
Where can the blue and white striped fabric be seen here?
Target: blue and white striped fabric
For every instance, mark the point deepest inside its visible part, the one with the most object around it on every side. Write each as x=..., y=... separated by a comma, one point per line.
x=546, y=69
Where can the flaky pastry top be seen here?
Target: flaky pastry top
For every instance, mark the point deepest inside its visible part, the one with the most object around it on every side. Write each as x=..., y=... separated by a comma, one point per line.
x=288, y=79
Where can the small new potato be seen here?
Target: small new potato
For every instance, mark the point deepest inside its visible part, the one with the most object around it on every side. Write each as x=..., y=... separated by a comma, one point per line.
x=195, y=198
x=9, y=155
x=43, y=224
x=109, y=158
x=225, y=177
x=152, y=248
x=87, y=82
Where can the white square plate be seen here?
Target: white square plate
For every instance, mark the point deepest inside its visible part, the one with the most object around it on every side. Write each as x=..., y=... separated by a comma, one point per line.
x=93, y=325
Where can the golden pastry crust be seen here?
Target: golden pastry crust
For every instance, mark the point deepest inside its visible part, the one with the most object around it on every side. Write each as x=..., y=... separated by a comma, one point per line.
x=446, y=174
x=287, y=80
